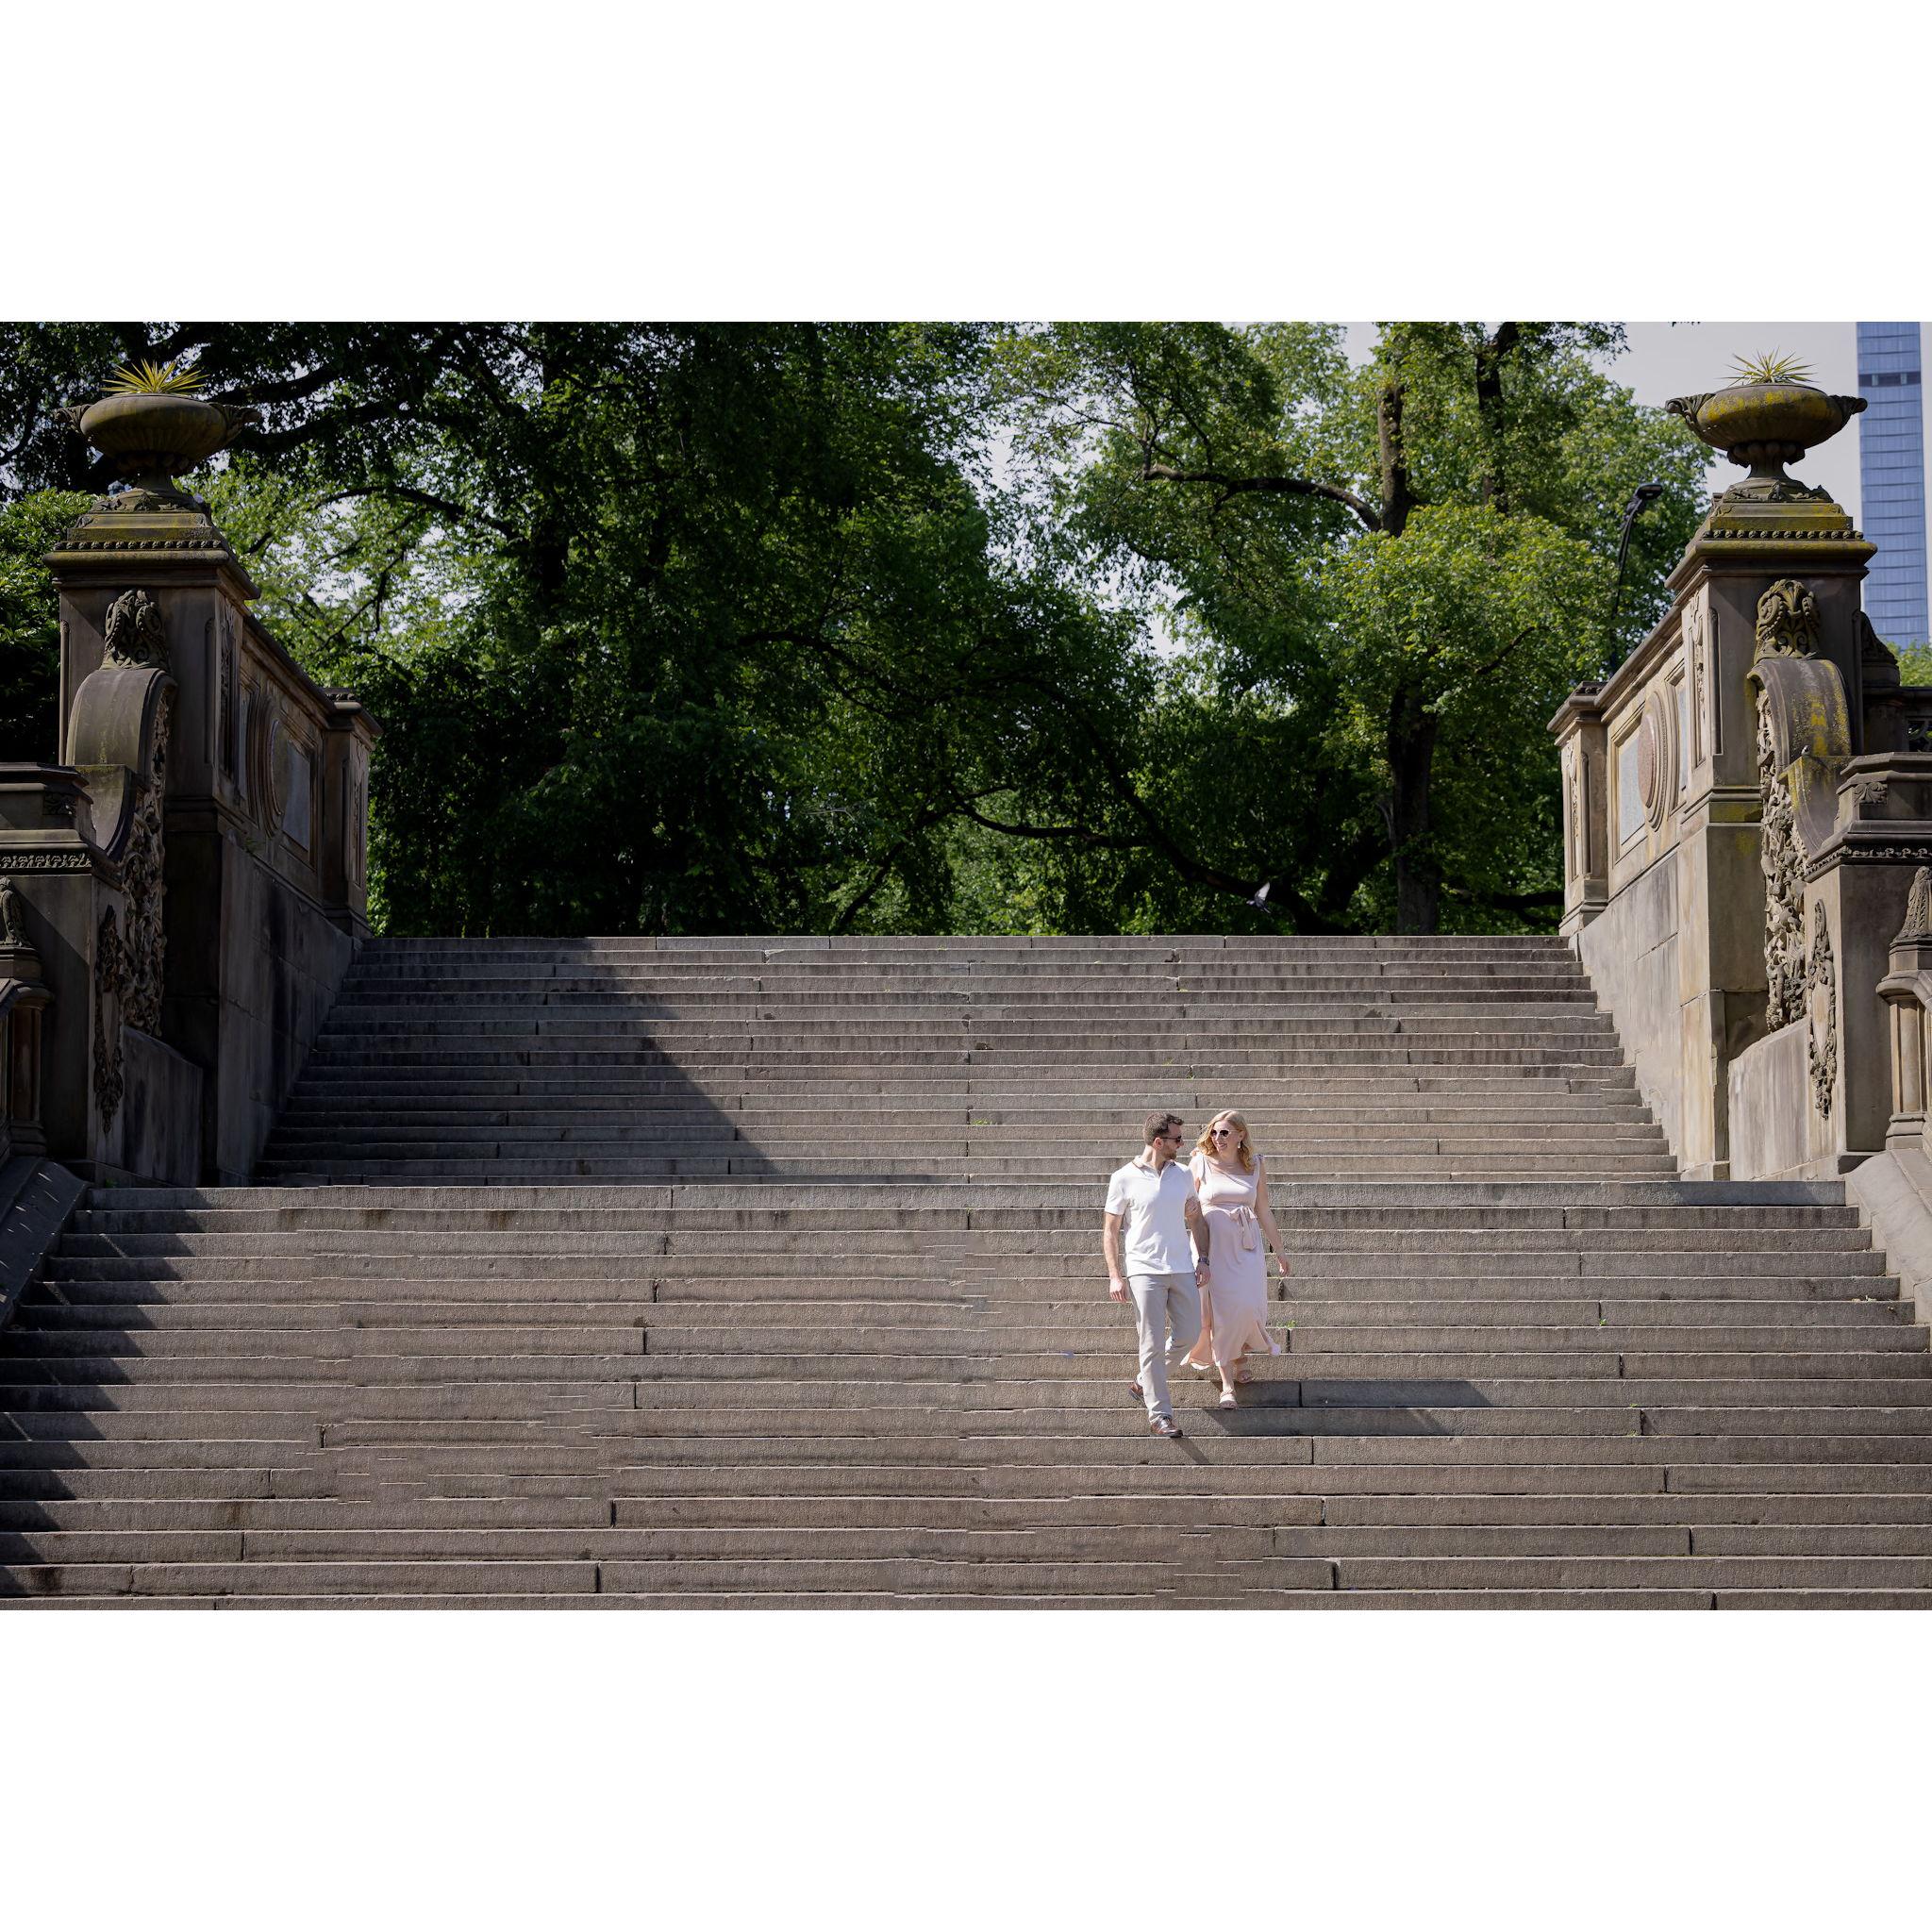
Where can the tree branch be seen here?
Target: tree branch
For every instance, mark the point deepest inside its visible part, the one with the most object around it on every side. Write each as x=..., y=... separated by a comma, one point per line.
x=1273, y=486
x=402, y=493
x=1528, y=630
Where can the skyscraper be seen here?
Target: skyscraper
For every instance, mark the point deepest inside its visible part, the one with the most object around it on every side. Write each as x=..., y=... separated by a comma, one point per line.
x=1891, y=478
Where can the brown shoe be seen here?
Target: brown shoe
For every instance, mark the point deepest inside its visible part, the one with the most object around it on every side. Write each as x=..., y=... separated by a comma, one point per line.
x=1165, y=1426
x=1135, y=1389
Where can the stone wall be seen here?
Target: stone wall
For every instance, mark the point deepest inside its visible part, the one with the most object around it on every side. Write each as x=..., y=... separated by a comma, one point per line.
x=279, y=959
x=156, y=1133
x=193, y=876
x=1667, y=769
x=1771, y=1110
x=1630, y=952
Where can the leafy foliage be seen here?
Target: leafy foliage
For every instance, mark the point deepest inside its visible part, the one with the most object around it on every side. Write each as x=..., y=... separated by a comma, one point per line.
x=30, y=622
x=691, y=627
x=1400, y=567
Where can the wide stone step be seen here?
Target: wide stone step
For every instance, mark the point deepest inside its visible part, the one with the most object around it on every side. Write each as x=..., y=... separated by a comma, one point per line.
x=1739, y=1203
x=53, y=1337
x=572, y=1296
x=1073, y=1154
x=1394, y=1229
x=886, y=1034
x=574, y=1280
x=1600, y=1572
x=1566, y=1115
x=1869, y=1516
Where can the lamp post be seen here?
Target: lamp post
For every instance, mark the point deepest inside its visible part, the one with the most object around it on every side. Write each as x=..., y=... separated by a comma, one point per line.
x=1640, y=500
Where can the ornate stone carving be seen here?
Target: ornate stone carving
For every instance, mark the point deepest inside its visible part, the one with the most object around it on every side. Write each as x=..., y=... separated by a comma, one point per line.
x=13, y=914
x=110, y=969
x=226, y=710
x=76, y=859
x=1868, y=787
x=1916, y=930
x=265, y=757
x=1573, y=829
x=1696, y=656
x=142, y=877
x=1657, y=759
x=1820, y=1047
x=355, y=833
x=135, y=637
x=1787, y=622
x=1782, y=861
x=1878, y=852
x=1753, y=533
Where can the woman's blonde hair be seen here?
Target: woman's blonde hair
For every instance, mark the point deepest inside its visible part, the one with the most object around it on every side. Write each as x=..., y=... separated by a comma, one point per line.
x=1243, y=1147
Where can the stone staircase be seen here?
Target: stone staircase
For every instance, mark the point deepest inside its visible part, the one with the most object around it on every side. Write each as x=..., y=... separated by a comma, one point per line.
x=727, y=1272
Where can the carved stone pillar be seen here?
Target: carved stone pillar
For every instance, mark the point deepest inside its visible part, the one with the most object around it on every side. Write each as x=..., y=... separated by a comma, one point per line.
x=198, y=862
x=1674, y=937
x=1581, y=750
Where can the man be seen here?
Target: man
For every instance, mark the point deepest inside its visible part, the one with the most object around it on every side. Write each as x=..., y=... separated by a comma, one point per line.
x=1150, y=1207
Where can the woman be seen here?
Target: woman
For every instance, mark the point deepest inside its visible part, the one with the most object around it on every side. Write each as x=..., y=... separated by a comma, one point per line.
x=1234, y=1198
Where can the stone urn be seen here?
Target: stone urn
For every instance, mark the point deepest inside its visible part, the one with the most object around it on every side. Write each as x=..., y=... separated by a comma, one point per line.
x=148, y=437
x=1763, y=426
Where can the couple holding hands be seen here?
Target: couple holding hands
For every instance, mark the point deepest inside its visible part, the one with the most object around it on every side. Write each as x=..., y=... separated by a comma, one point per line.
x=1185, y=1240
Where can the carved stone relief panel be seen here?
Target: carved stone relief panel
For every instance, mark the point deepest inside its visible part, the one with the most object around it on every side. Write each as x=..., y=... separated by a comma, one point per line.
x=1916, y=930
x=354, y=825
x=227, y=716
x=1657, y=759
x=143, y=869
x=1702, y=723
x=264, y=756
x=133, y=636
x=1630, y=787
x=109, y=970
x=298, y=792
x=1820, y=1048
x=1783, y=864
x=1788, y=624
x=1573, y=816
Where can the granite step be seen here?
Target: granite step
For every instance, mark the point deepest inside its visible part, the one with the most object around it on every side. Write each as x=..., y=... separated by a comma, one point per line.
x=570, y=1297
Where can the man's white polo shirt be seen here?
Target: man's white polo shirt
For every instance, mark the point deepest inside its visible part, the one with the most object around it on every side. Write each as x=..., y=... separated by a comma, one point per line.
x=1153, y=1216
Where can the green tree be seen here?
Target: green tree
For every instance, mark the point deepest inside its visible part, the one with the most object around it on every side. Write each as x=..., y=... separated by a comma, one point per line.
x=30, y=623
x=700, y=627
x=1386, y=575
x=669, y=628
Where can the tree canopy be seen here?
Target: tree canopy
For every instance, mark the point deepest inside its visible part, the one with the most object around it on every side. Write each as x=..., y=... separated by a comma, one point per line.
x=807, y=627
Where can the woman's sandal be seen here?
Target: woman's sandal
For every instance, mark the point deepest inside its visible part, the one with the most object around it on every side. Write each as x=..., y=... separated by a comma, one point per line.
x=1230, y=1400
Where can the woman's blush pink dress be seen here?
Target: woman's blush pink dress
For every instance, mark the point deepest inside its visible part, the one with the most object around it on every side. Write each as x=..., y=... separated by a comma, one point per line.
x=1237, y=1265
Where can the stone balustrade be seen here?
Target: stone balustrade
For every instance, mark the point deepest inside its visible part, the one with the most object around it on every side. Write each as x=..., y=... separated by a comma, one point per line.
x=193, y=872
x=1744, y=801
